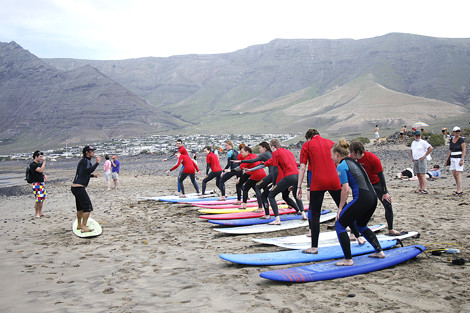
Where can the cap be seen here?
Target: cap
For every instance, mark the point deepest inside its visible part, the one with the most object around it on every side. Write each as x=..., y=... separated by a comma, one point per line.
x=416, y=132
x=456, y=129
x=114, y=156
x=88, y=148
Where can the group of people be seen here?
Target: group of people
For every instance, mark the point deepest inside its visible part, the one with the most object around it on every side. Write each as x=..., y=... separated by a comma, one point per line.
x=336, y=168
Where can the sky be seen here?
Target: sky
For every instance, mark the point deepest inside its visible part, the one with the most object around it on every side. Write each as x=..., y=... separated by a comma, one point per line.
x=125, y=29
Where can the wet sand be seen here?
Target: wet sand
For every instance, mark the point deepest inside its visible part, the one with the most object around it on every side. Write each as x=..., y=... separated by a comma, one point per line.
x=158, y=257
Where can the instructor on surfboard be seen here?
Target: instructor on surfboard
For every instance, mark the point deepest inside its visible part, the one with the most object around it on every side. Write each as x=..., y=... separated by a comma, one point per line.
x=80, y=182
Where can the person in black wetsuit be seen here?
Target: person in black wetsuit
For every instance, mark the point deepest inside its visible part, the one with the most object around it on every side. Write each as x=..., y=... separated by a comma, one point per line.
x=360, y=209
x=229, y=170
x=80, y=182
x=261, y=187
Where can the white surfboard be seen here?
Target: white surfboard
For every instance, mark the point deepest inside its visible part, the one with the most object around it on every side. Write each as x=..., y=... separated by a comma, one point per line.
x=334, y=241
x=264, y=228
x=92, y=224
x=304, y=239
x=209, y=193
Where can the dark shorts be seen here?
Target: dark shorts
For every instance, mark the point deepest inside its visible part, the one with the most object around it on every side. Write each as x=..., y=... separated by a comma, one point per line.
x=82, y=200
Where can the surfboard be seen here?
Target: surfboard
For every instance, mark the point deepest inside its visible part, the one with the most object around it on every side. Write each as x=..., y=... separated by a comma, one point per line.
x=306, y=245
x=218, y=202
x=255, y=221
x=328, y=270
x=190, y=195
x=92, y=224
x=228, y=206
x=193, y=199
x=296, y=256
x=225, y=211
x=304, y=239
x=239, y=215
x=264, y=228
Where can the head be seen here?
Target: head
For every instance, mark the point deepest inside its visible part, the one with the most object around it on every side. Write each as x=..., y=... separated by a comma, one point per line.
x=207, y=150
x=37, y=156
x=114, y=157
x=228, y=145
x=263, y=147
x=106, y=156
x=340, y=151
x=245, y=151
x=417, y=134
x=274, y=144
x=88, y=152
x=311, y=133
x=357, y=150
x=177, y=153
x=436, y=167
x=240, y=146
x=179, y=143
x=456, y=131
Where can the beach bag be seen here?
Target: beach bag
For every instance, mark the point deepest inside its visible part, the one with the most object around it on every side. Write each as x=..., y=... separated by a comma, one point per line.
x=28, y=178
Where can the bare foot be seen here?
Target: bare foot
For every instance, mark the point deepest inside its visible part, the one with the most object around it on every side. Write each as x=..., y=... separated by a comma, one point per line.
x=352, y=237
x=86, y=230
x=393, y=232
x=265, y=217
x=304, y=216
x=345, y=262
x=37, y=216
x=221, y=199
x=361, y=240
x=276, y=222
x=238, y=203
x=309, y=233
x=311, y=250
x=183, y=196
x=378, y=255
x=258, y=211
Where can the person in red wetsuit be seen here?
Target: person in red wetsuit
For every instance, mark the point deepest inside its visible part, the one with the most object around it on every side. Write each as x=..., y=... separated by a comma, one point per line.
x=371, y=163
x=283, y=161
x=316, y=152
x=213, y=166
x=189, y=169
x=254, y=176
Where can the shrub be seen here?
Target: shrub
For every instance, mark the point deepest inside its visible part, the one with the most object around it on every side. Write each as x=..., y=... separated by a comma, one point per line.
x=436, y=140
x=363, y=140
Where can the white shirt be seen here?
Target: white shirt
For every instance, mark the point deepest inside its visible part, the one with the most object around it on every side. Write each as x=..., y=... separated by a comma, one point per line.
x=419, y=148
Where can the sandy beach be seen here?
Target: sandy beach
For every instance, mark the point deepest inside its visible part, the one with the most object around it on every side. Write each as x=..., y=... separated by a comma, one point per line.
x=159, y=257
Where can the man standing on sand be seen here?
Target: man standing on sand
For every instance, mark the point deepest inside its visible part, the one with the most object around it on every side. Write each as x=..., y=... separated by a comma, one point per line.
x=403, y=134
x=420, y=149
x=39, y=178
x=115, y=165
x=80, y=182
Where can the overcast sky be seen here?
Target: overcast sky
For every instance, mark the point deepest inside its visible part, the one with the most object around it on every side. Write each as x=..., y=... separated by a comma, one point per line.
x=123, y=29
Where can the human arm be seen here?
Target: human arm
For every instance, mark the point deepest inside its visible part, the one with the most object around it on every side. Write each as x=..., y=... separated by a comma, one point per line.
x=344, y=198
x=464, y=148
x=426, y=154
x=300, y=180
x=386, y=196
x=275, y=172
x=40, y=169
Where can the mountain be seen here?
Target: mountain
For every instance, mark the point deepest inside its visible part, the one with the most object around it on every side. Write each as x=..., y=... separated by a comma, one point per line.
x=43, y=107
x=216, y=92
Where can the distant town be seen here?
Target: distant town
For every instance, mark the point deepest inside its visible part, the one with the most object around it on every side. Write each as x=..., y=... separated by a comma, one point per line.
x=156, y=144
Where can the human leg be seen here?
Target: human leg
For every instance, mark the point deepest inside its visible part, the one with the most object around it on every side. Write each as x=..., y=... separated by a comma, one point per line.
x=194, y=182
x=314, y=210
x=240, y=183
x=181, y=178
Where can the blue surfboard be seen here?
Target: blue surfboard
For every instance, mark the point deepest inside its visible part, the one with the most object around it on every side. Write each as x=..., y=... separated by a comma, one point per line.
x=255, y=221
x=328, y=270
x=296, y=256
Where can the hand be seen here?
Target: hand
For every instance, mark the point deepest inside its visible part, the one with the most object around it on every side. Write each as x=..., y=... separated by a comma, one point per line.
x=236, y=161
x=96, y=175
x=247, y=170
x=168, y=172
x=299, y=193
x=387, y=197
x=45, y=177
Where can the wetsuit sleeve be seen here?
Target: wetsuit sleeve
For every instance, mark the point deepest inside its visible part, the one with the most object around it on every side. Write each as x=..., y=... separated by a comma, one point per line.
x=177, y=164
x=229, y=158
x=382, y=182
x=91, y=169
x=262, y=157
x=258, y=167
